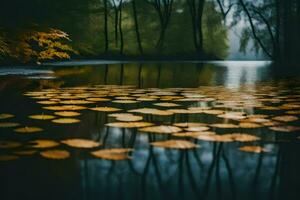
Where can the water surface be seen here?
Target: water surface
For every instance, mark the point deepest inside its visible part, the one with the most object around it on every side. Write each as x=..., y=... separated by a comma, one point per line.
x=216, y=169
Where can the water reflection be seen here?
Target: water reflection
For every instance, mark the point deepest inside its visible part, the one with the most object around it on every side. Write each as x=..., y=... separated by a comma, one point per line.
x=216, y=170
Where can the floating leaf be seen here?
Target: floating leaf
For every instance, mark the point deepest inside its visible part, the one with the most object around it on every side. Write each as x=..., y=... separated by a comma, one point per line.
x=285, y=128
x=112, y=154
x=193, y=134
x=224, y=125
x=81, y=143
x=242, y=137
x=66, y=120
x=253, y=149
x=197, y=128
x=161, y=129
x=67, y=113
x=232, y=115
x=55, y=154
x=131, y=118
x=166, y=104
x=125, y=101
x=43, y=144
x=258, y=120
x=175, y=144
x=105, y=109
x=41, y=117
x=28, y=129
x=65, y=107
x=120, y=114
x=286, y=118
x=47, y=102
x=8, y=124
x=97, y=99
x=213, y=112
x=250, y=125
x=152, y=111
x=214, y=138
x=6, y=115
x=129, y=124
x=293, y=112
x=8, y=157
x=79, y=102
x=25, y=152
x=189, y=124
x=9, y=144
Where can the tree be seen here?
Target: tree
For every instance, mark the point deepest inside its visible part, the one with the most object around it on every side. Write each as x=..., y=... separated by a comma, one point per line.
x=136, y=23
x=196, y=11
x=41, y=45
x=164, y=11
x=106, y=25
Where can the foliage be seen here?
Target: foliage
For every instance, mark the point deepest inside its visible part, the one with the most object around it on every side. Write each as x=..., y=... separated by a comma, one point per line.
x=4, y=49
x=30, y=46
x=41, y=45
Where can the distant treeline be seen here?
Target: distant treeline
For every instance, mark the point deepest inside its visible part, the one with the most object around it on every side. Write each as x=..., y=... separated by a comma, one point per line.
x=137, y=28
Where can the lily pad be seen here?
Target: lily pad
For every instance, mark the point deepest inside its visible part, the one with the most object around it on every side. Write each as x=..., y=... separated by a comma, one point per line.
x=112, y=154
x=8, y=124
x=55, y=154
x=81, y=143
x=253, y=149
x=43, y=143
x=8, y=157
x=28, y=129
x=285, y=118
x=67, y=113
x=286, y=129
x=224, y=126
x=163, y=129
x=6, y=115
x=105, y=109
x=9, y=144
x=66, y=120
x=129, y=124
x=41, y=117
x=175, y=144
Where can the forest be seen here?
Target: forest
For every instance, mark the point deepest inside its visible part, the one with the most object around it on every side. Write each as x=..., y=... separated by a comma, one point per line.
x=147, y=29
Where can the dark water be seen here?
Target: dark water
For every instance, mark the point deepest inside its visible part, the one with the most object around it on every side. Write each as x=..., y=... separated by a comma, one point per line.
x=215, y=170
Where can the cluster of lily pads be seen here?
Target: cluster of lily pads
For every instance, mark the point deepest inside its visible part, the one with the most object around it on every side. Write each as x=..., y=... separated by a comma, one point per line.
x=275, y=108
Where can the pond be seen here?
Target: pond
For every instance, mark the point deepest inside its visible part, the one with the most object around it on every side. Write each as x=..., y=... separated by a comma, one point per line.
x=166, y=130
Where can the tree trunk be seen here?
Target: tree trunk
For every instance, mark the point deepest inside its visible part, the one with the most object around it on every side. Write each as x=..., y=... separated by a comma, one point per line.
x=137, y=30
x=105, y=26
x=120, y=28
